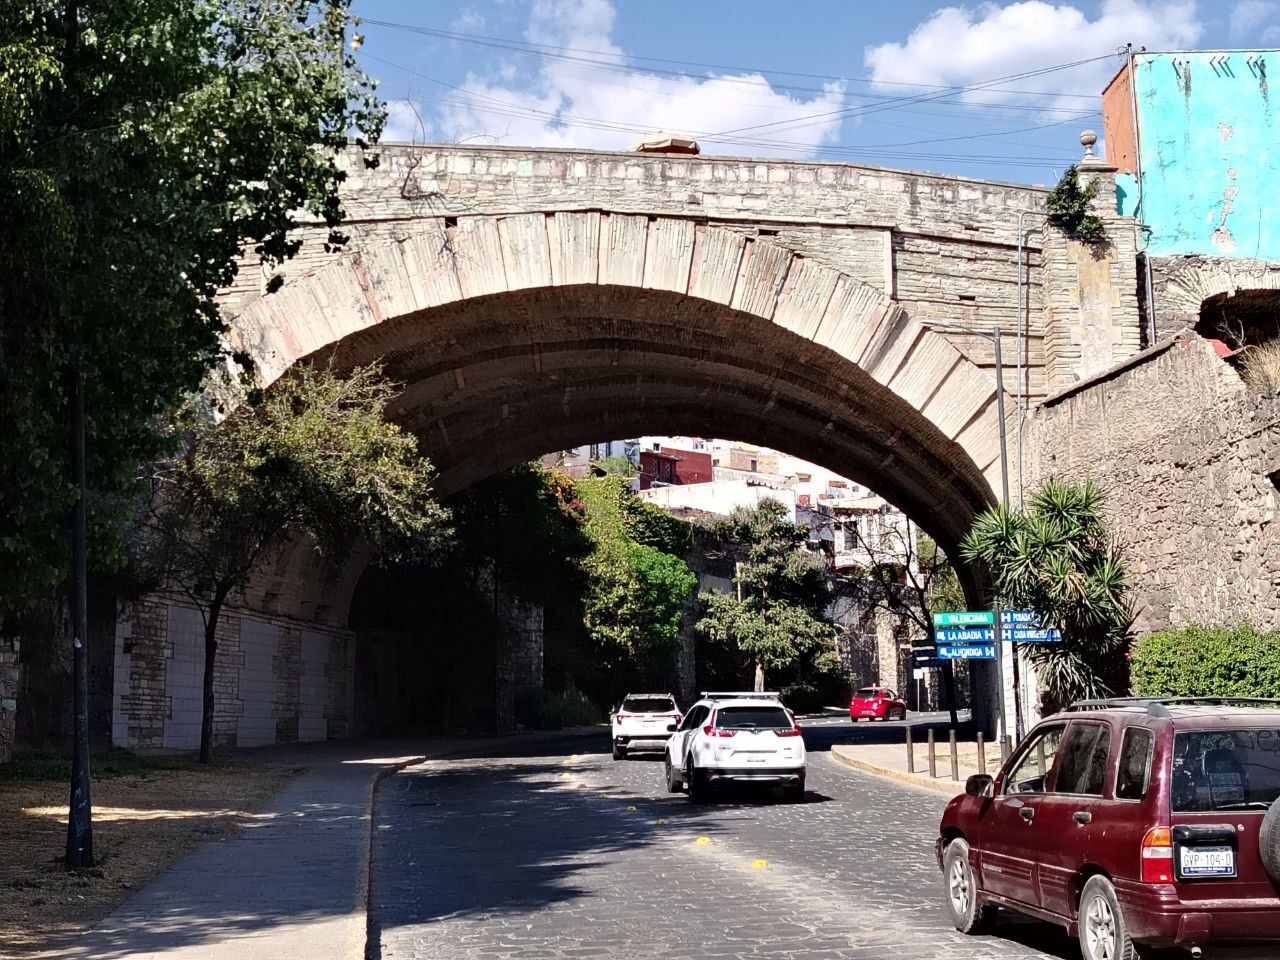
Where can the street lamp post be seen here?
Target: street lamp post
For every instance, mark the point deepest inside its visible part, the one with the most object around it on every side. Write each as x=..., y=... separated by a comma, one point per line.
x=993, y=336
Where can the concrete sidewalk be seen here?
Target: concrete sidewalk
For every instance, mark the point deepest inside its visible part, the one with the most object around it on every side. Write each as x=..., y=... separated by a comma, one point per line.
x=890, y=760
x=292, y=885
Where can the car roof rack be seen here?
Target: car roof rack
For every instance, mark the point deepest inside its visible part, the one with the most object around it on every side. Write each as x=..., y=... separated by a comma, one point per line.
x=1159, y=706
x=740, y=695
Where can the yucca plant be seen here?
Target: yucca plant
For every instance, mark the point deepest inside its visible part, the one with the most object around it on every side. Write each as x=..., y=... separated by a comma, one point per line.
x=1054, y=556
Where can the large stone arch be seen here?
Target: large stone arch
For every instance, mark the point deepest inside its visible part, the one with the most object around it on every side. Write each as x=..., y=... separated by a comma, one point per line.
x=519, y=334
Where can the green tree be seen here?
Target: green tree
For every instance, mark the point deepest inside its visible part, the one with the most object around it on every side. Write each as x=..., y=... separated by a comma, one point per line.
x=1055, y=557
x=143, y=145
x=776, y=613
x=316, y=459
x=910, y=577
x=637, y=579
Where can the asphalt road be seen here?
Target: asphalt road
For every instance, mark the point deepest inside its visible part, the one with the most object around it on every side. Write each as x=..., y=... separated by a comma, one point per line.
x=556, y=851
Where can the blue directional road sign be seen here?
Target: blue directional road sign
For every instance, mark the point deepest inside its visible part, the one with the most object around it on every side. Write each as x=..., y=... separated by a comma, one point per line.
x=955, y=635
x=985, y=651
x=1029, y=635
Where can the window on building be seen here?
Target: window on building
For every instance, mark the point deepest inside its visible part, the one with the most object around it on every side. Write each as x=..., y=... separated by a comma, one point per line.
x=595, y=451
x=850, y=535
x=754, y=464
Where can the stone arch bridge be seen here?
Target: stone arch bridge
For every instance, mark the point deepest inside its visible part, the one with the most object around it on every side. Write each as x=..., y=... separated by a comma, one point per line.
x=531, y=300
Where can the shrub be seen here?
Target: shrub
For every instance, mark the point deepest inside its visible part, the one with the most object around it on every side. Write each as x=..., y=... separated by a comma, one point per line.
x=1208, y=661
x=538, y=709
x=803, y=697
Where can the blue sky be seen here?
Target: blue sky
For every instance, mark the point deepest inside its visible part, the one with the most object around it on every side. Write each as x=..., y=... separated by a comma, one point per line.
x=907, y=84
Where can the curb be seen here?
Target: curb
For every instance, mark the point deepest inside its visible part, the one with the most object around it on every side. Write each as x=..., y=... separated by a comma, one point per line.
x=949, y=787
x=364, y=869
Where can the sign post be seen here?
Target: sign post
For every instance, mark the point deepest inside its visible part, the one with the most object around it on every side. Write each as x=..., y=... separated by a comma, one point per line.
x=981, y=635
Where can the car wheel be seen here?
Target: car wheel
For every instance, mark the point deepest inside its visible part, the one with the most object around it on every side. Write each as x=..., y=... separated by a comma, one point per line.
x=902, y=714
x=673, y=778
x=695, y=783
x=794, y=792
x=1269, y=841
x=619, y=753
x=967, y=913
x=1104, y=935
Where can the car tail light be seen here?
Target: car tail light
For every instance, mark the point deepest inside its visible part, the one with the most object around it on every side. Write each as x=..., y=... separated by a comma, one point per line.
x=793, y=732
x=711, y=731
x=623, y=716
x=1157, y=856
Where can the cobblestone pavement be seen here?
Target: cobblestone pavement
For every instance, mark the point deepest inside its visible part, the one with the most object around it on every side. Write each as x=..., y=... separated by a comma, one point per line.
x=572, y=855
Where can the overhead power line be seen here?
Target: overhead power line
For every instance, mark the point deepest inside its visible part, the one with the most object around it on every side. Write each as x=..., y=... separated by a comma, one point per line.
x=495, y=106
x=578, y=54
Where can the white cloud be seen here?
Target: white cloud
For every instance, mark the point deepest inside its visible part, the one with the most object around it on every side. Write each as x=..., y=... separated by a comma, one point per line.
x=404, y=123
x=609, y=105
x=1247, y=16
x=470, y=20
x=962, y=45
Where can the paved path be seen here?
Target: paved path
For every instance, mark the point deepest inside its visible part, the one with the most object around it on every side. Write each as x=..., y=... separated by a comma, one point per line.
x=544, y=854
x=292, y=886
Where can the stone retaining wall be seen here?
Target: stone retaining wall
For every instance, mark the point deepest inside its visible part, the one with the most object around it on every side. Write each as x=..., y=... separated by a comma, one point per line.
x=1190, y=461
x=275, y=680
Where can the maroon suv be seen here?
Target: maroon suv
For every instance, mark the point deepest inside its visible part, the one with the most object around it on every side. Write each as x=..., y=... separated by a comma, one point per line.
x=1134, y=823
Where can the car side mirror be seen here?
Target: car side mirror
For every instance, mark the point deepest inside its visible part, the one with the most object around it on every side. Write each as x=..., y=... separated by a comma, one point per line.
x=980, y=785
x=671, y=727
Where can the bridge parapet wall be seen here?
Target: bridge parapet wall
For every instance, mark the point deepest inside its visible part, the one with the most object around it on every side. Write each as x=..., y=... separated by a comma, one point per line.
x=943, y=247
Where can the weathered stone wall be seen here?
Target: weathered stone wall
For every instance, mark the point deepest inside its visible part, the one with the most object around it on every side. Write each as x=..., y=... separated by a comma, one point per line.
x=1091, y=293
x=275, y=680
x=1181, y=285
x=8, y=696
x=941, y=246
x=1190, y=462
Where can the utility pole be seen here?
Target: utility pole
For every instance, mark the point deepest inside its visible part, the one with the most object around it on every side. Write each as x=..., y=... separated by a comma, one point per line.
x=80, y=809
x=994, y=336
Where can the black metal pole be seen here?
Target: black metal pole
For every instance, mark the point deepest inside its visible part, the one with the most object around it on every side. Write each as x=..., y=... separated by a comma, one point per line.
x=80, y=813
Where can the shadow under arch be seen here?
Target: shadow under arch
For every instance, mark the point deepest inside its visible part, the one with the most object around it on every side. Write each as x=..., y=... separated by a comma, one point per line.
x=508, y=347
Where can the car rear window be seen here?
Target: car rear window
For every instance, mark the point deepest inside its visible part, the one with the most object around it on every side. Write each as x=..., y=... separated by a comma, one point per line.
x=753, y=718
x=1225, y=769
x=648, y=705
x=867, y=693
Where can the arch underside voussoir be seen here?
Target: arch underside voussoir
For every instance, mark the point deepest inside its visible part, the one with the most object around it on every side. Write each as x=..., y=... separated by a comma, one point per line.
x=522, y=334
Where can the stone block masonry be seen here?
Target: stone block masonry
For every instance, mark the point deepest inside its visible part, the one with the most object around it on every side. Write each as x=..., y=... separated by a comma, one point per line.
x=8, y=695
x=275, y=680
x=1190, y=462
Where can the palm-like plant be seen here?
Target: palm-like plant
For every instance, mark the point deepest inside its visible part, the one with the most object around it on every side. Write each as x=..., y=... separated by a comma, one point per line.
x=1054, y=556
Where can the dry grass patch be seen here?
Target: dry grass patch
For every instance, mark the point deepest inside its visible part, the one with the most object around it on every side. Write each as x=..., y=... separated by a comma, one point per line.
x=1260, y=367
x=147, y=813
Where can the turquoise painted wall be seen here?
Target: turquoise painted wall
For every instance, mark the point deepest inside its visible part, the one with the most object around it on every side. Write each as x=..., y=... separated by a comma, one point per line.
x=1210, y=154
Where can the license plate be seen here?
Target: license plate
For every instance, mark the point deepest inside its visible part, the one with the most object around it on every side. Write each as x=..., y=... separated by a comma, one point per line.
x=1206, y=862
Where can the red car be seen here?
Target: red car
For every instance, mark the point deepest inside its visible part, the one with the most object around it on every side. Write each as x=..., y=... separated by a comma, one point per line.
x=1134, y=823
x=876, y=703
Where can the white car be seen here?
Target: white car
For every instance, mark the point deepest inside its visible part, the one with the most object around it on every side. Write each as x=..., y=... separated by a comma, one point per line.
x=644, y=719
x=730, y=738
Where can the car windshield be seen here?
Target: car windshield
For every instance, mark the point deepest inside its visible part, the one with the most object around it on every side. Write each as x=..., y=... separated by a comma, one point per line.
x=753, y=718
x=866, y=693
x=1225, y=769
x=648, y=705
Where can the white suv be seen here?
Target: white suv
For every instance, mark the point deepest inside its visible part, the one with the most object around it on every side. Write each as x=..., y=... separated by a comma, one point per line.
x=736, y=738
x=644, y=718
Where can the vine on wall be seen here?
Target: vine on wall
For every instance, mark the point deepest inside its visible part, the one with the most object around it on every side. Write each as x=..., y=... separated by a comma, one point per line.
x=1068, y=208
